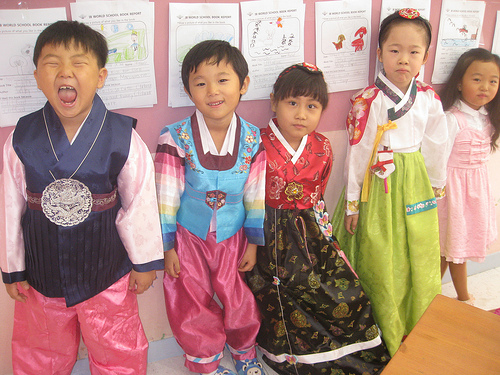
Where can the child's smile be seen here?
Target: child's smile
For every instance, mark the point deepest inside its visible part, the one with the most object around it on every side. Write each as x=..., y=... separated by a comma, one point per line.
x=215, y=89
x=69, y=77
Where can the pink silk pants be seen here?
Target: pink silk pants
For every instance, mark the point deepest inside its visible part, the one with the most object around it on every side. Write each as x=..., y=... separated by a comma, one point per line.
x=199, y=324
x=47, y=333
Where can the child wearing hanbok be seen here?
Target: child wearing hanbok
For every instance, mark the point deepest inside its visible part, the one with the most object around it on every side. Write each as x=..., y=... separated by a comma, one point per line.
x=395, y=168
x=316, y=319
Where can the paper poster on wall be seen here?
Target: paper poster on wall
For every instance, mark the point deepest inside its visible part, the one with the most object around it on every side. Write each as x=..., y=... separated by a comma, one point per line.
x=189, y=25
x=129, y=30
x=495, y=48
x=343, y=34
x=19, y=30
x=459, y=30
x=272, y=39
x=390, y=6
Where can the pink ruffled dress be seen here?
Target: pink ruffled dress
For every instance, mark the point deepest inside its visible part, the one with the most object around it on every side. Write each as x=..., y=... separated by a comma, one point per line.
x=467, y=214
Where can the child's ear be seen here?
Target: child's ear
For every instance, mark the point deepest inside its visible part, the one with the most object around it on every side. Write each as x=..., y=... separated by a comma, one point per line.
x=244, y=86
x=379, y=54
x=35, y=74
x=187, y=92
x=103, y=74
x=425, y=57
x=273, y=104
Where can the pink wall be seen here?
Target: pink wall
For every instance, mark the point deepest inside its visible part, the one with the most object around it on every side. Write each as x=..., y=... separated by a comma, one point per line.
x=151, y=120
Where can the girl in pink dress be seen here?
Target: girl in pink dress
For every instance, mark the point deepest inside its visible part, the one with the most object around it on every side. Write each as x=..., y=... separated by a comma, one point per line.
x=467, y=213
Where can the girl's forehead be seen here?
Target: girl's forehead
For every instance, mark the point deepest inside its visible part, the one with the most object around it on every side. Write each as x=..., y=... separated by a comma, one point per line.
x=406, y=33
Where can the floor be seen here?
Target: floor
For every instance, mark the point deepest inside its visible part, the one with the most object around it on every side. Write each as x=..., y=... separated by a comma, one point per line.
x=484, y=287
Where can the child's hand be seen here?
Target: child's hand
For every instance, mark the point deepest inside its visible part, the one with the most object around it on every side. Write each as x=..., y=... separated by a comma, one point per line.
x=249, y=258
x=351, y=222
x=141, y=281
x=14, y=292
x=172, y=265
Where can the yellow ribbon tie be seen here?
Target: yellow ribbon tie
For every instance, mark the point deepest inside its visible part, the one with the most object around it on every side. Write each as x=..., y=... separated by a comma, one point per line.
x=368, y=175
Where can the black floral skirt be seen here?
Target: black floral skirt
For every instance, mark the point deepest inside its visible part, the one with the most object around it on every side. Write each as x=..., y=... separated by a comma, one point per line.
x=316, y=318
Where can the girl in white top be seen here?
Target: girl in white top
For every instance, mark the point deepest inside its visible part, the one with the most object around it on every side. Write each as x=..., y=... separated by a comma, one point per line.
x=395, y=165
x=467, y=214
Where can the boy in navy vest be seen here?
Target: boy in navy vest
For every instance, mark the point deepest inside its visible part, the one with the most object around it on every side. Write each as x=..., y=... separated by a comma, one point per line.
x=210, y=179
x=78, y=217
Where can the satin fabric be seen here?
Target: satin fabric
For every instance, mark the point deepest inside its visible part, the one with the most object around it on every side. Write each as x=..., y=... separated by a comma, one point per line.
x=47, y=333
x=395, y=254
x=199, y=324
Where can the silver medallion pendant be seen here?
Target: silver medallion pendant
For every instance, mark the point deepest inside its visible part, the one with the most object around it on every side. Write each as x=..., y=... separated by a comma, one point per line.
x=66, y=202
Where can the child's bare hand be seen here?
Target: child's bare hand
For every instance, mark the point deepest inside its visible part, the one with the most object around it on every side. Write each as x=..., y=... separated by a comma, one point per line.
x=351, y=222
x=15, y=293
x=249, y=258
x=141, y=281
x=172, y=264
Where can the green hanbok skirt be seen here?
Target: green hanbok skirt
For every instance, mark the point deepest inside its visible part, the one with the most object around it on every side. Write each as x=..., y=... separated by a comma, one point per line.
x=395, y=248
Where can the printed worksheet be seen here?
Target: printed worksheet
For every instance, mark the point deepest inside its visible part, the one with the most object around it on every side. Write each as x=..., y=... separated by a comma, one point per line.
x=19, y=30
x=390, y=6
x=189, y=25
x=129, y=30
x=343, y=34
x=459, y=30
x=272, y=39
x=495, y=48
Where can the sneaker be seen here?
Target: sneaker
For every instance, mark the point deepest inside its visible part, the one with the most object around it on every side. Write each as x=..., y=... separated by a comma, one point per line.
x=248, y=367
x=221, y=370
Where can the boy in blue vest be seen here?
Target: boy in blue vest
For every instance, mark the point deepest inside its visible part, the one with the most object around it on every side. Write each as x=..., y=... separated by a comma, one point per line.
x=78, y=217
x=210, y=180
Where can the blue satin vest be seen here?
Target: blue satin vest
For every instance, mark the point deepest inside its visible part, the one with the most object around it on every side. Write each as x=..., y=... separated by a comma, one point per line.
x=79, y=261
x=214, y=183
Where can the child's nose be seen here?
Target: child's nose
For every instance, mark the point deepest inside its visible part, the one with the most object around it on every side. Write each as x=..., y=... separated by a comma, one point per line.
x=213, y=89
x=66, y=70
x=300, y=113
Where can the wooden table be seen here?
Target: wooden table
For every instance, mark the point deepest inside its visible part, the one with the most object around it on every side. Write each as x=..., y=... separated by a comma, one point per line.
x=451, y=338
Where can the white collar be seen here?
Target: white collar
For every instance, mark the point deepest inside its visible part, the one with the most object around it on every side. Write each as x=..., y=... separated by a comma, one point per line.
x=404, y=96
x=462, y=107
x=207, y=142
x=284, y=142
x=80, y=127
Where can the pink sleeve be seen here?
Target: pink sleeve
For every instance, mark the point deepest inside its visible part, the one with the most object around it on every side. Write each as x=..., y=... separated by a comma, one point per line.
x=12, y=209
x=138, y=221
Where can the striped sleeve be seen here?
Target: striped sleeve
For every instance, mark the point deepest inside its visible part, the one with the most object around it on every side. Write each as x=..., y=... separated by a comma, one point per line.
x=169, y=168
x=254, y=198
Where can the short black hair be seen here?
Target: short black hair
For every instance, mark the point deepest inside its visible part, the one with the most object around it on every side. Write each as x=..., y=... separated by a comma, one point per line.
x=68, y=32
x=213, y=52
x=396, y=19
x=298, y=80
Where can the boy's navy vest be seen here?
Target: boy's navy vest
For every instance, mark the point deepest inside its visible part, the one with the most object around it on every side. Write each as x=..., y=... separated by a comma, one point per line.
x=79, y=261
x=214, y=183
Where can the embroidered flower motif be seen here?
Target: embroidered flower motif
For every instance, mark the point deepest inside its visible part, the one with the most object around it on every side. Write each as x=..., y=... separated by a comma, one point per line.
x=276, y=187
x=291, y=359
x=353, y=205
x=243, y=167
x=249, y=139
x=356, y=134
x=249, y=149
x=248, y=159
x=276, y=281
x=294, y=190
x=368, y=93
x=359, y=107
x=185, y=135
